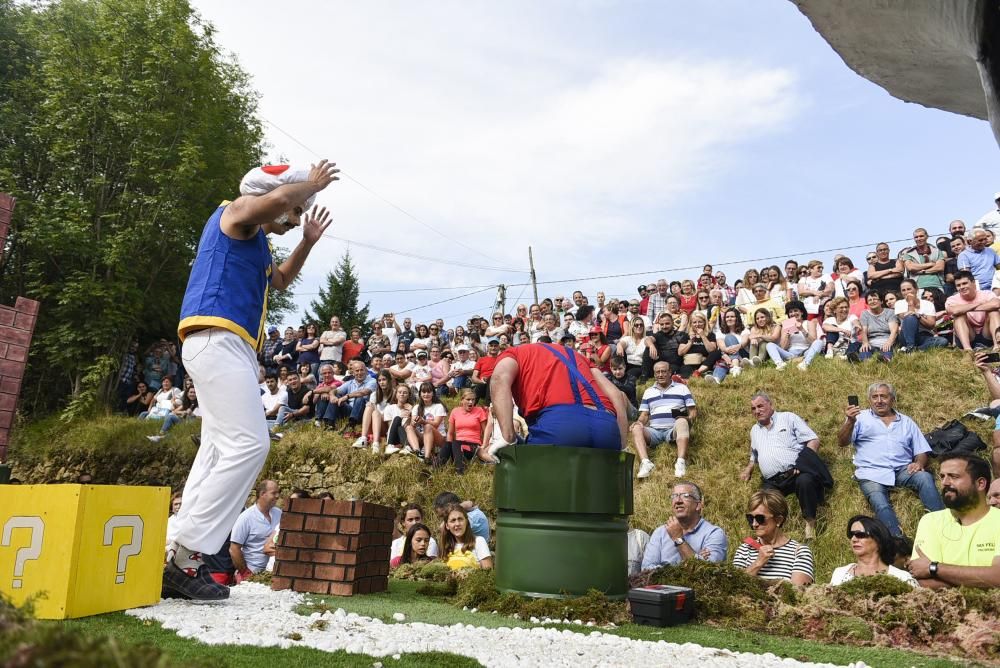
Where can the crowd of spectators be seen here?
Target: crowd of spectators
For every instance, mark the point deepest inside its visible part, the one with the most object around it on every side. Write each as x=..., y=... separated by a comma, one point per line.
x=382, y=388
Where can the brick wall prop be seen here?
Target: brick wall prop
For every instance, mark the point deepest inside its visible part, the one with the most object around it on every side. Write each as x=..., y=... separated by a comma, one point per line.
x=17, y=326
x=333, y=547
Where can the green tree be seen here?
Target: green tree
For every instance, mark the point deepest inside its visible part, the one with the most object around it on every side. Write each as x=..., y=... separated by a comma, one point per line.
x=281, y=303
x=340, y=298
x=121, y=128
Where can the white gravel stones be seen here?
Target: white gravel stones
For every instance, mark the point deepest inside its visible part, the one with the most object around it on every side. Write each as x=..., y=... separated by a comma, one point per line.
x=255, y=615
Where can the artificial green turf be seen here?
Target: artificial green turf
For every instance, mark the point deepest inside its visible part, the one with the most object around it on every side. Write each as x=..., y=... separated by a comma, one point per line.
x=403, y=597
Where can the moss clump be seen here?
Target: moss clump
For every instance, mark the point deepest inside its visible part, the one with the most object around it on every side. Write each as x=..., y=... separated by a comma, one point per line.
x=850, y=628
x=875, y=587
x=25, y=642
x=478, y=590
x=434, y=571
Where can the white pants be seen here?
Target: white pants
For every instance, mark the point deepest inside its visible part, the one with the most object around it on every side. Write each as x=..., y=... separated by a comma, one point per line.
x=234, y=438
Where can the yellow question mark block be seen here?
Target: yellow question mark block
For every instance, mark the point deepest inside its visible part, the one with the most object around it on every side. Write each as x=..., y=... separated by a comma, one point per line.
x=80, y=550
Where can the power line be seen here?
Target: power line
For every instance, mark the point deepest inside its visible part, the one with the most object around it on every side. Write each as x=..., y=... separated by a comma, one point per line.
x=442, y=301
x=426, y=258
x=714, y=264
x=374, y=292
x=395, y=206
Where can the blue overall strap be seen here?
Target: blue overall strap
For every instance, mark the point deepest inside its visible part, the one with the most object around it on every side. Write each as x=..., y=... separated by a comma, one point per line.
x=569, y=361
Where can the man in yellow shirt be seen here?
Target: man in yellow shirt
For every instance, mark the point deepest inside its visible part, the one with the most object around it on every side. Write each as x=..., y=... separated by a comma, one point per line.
x=960, y=545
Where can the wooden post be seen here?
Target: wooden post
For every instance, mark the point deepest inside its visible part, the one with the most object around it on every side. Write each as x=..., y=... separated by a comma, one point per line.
x=534, y=282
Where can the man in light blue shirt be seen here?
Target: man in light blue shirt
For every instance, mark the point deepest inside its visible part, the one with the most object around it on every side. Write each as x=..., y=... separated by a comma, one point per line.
x=686, y=535
x=352, y=397
x=254, y=528
x=890, y=451
x=980, y=259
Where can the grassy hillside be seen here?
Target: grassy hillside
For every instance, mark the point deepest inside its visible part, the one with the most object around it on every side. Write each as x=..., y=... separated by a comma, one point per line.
x=933, y=387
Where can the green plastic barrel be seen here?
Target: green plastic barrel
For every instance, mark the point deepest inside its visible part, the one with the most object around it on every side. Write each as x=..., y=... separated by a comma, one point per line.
x=562, y=520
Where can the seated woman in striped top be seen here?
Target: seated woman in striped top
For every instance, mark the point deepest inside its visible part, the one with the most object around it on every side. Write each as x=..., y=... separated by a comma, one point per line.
x=770, y=554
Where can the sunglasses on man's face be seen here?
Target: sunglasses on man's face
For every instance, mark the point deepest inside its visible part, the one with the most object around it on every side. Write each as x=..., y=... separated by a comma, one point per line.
x=757, y=519
x=860, y=535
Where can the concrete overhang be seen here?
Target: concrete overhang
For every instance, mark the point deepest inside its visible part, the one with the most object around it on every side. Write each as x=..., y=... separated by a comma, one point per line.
x=937, y=53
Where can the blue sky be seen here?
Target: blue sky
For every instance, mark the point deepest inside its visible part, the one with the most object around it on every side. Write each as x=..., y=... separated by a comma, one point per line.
x=613, y=137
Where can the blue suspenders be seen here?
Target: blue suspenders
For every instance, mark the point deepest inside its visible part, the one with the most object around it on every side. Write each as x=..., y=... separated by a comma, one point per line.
x=569, y=361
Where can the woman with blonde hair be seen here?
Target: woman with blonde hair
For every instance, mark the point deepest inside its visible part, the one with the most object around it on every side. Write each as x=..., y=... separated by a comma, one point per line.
x=700, y=352
x=770, y=553
x=763, y=331
x=745, y=298
x=632, y=345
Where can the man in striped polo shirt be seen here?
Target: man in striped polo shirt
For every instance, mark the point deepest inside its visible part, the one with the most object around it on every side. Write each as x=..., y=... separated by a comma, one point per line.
x=665, y=414
x=784, y=447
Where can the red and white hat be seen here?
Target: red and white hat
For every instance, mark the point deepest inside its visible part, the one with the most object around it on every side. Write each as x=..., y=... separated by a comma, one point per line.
x=264, y=179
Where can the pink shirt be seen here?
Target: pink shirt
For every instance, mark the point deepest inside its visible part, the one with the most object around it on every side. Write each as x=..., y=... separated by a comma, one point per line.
x=976, y=319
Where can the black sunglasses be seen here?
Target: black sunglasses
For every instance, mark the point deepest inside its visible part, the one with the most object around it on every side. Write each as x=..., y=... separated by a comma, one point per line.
x=858, y=534
x=758, y=519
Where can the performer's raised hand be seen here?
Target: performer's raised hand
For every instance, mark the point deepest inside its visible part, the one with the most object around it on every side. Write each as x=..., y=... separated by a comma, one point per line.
x=323, y=174
x=315, y=223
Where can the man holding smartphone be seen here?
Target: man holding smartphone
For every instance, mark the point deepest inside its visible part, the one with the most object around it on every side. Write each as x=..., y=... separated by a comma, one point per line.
x=890, y=452
x=983, y=361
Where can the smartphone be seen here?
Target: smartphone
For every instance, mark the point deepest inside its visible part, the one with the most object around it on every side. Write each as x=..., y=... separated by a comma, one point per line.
x=852, y=400
x=991, y=358
x=678, y=412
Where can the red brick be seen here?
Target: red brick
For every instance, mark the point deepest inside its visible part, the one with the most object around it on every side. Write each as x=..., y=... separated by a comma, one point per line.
x=316, y=556
x=4, y=438
x=292, y=521
x=350, y=574
x=309, y=506
x=348, y=558
x=293, y=569
x=296, y=539
x=24, y=321
x=15, y=353
x=321, y=524
x=6, y=419
x=350, y=526
x=381, y=553
x=6, y=316
x=369, y=510
x=335, y=507
x=10, y=386
x=342, y=589
x=7, y=402
x=279, y=583
x=13, y=370
x=337, y=542
x=311, y=586
x=335, y=573
x=286, y=554
x=383, y=568
x=361, y=570
x=25, y=305
x=22, y=337
x=380, y=584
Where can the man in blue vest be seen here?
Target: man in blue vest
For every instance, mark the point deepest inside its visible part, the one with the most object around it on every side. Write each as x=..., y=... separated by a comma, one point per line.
x=222, y=327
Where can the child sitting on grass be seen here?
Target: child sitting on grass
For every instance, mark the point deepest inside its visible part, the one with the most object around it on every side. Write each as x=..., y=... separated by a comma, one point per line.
x=416, y=546
x=460, y=548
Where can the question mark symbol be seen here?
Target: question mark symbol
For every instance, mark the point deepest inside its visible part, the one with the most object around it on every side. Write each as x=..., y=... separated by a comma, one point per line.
x=129, y=549
x=25, y=553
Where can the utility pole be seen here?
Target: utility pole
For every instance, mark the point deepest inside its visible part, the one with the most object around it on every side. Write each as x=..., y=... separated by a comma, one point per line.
x=502, y=298
x=534, y=282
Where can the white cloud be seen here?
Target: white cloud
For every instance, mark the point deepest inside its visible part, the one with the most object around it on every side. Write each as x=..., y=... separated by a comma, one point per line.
x=500, y=130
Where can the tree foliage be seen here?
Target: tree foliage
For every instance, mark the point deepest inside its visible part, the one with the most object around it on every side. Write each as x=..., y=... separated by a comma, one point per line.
x=340, y=298
x=121, y=128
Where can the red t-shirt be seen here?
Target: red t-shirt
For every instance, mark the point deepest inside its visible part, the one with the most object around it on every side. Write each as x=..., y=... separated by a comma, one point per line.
x=543, y=379
x=468, y=424
x=352, y=350
x=689, y=303
x=485, y=366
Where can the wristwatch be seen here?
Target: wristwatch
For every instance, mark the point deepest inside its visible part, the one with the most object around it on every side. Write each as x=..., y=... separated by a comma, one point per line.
x=933, y=569
x=678, y=542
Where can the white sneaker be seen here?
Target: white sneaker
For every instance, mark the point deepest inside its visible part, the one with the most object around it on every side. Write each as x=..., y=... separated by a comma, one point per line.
x=375, y=450
x=829, y=354
x=780, y=366
x=755, y=360
x=391, y=449
x=360, y=443
x=155, y=438
x=735, y=371
x=803, y=366
x=645, y=468
x=717, y=381
x=680, y=468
